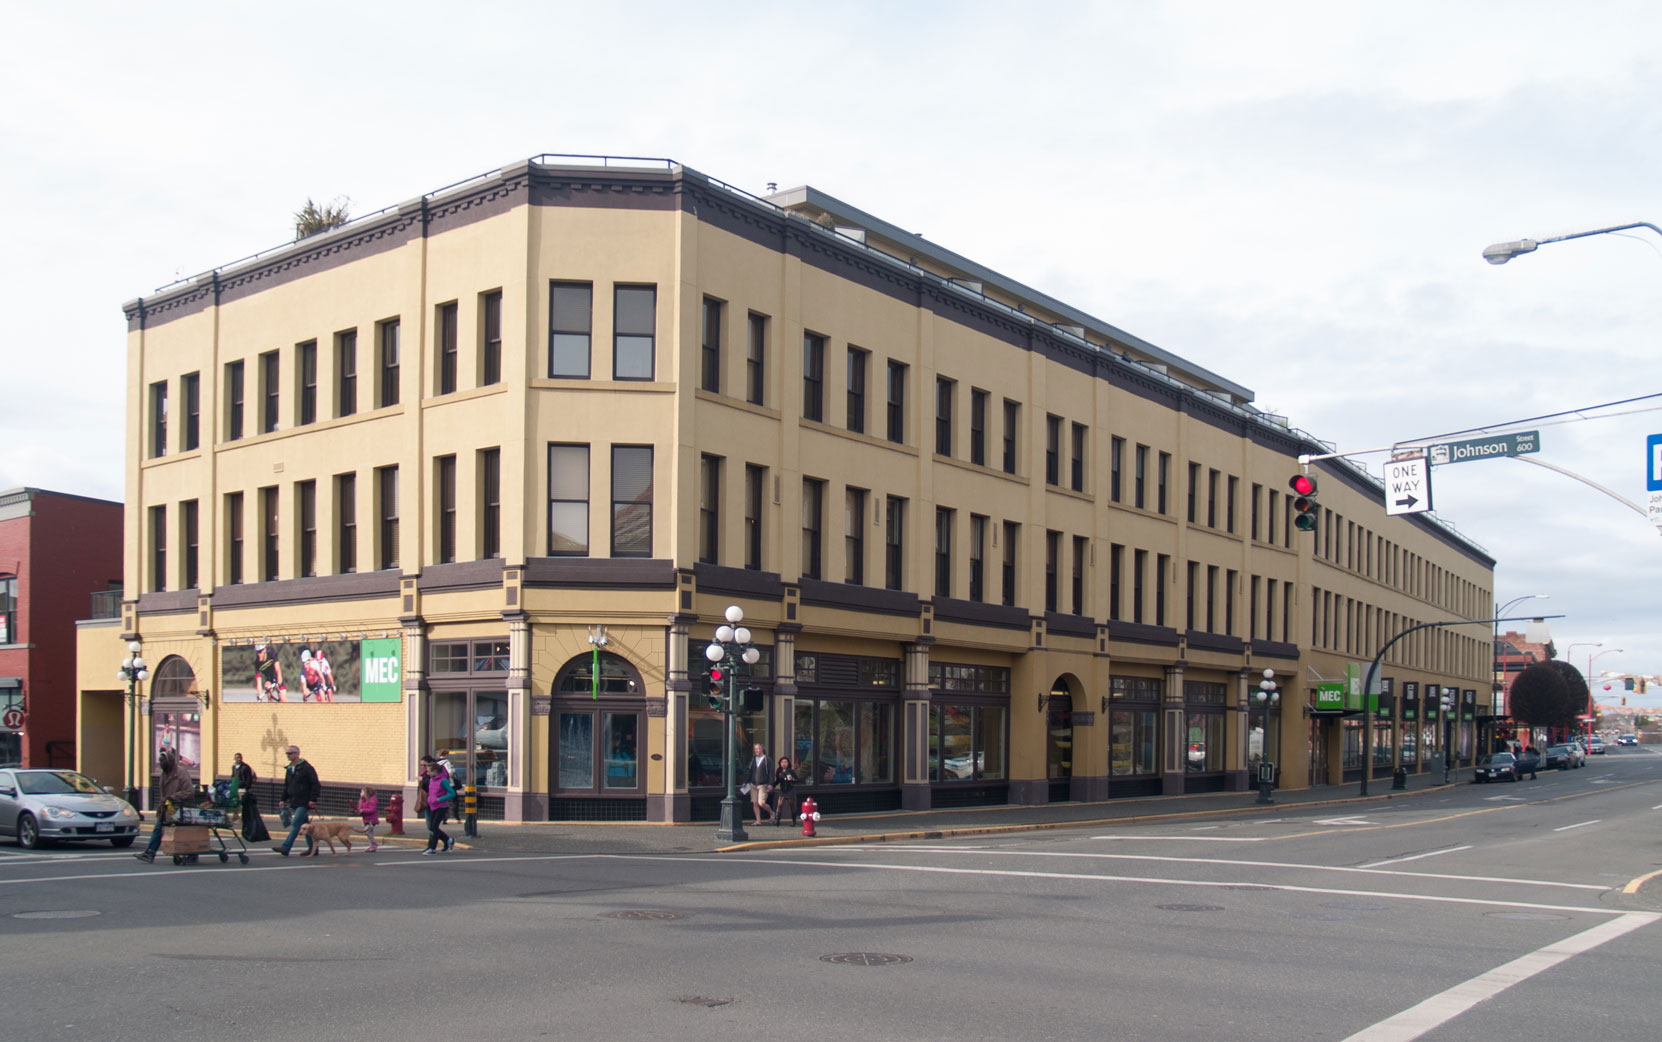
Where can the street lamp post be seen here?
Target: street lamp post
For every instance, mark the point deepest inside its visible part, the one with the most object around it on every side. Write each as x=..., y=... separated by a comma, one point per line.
x=731, y=646
x=1267, y=696
x=133, y=670
x=1501, y=252
x=1447, y=703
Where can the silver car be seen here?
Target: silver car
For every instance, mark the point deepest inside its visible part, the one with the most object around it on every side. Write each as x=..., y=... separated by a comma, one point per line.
x=38, y=806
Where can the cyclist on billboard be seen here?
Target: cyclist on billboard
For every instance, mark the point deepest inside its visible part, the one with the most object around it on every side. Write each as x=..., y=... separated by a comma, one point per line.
x=268, y=675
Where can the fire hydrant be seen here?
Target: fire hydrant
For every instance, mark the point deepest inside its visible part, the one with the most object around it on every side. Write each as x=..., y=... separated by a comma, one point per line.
x=810, y=814
x=395, y=814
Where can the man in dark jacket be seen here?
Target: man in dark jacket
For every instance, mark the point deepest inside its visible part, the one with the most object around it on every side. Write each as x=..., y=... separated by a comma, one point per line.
x=301, y=792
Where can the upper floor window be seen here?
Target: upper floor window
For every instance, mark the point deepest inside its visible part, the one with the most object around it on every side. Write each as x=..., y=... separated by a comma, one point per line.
x=897, y=403
x=233, y=400
x=1012, y=416
x=1076, y=475
x=944, y=390
x=568, y=500
x=709, y=370
x=755, y=359
x=305, y=380
x=634, y=334
x=858, y=361
x=631, y=501
x=894, y=534
x=390, y=360
x=190, y=390
x=158, y=418
x=447, y=347
x=570, y=321
x=346, y=372
x=813, y=377
x=978, y=427
x=8, y=609
x=270, y=390
x=1053, y=450
x=490, y=341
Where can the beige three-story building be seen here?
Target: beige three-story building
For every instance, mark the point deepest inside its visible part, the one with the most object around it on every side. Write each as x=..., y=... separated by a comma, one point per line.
x=482, y=473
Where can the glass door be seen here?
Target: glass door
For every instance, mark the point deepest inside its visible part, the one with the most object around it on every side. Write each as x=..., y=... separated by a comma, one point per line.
x=597, y=752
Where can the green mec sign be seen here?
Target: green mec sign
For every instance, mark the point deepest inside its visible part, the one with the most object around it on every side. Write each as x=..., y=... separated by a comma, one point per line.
x=383, y=675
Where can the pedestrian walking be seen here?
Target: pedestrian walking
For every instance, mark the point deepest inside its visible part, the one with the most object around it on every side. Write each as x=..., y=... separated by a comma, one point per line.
x=441, y=792
x=301, y=792
x=176, y=787
x=761, y=784
x=784, y=790
x=369, y=808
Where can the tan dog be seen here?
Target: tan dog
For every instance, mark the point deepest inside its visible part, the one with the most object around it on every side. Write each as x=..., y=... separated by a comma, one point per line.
x=321, y=832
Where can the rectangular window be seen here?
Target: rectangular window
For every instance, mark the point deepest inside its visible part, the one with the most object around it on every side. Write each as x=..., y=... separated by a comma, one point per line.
x=709, y=509
x=1252, y=609
x=233, y=401
x=570, y=321
x=388, y=334
x=158, y=419
x=1162, y=480
x=631, y=501
x=158, y=548
x=858, y=364
x=755, y=360
x=444, y=507
x=190, y=393
x=634, y=338
x=1076, y=473
x=709, y=369
x=490, y=503
x=813, y=508
x=346, y=372
x=1081, y=547
x=944, y=390
x=1229, y=580
x=755, y=478
x=447, y=337
x=1008, y=578
x=943, y=552
x=1194, y=491
x=1116, y=566
x=270, y=390
x=1211, y=598
x=1012, y=416
x=386, y=515
x=1211, y=498
x=1139, y=497
x=1116, y=462
x=1053, y=450
x=1162, y=566
x=1234, y=490
x=1139, y=569
x=233, y=538
x=854, y=536
x=268, y=534
x=490, y=340
x=1257, y=503
x=977, y=558
x=568, y=500
x=305, y=503
x=893, y=540
x=346, y=523
x=813, y=377
x=1053, y=553
x=190, y=544
x=897, y=403
x=305, y=379
x=1269, y=518
x=978, y=427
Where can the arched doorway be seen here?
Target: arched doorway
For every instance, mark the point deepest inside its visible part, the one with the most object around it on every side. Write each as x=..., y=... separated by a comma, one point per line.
x=1059, y=738
x=176, y=716
x=597, y=731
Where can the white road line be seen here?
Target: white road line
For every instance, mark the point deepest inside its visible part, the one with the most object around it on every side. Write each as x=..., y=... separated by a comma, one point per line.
x=1577, y=825
x=1416, y=857
x=1195, y=839
x=1439, y=1009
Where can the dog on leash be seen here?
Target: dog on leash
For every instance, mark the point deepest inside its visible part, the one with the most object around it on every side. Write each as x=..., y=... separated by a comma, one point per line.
x=321, y=832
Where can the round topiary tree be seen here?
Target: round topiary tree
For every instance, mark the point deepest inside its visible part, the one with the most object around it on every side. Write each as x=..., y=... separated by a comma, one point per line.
x=1540, y=697
x=1580, y=696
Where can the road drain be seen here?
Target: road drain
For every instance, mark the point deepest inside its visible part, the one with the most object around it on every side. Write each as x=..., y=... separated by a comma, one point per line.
x=865, y=959
x=700, y=1000
x=641, y=913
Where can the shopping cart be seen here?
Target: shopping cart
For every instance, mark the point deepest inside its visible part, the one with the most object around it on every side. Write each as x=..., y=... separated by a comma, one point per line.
x=194, y=830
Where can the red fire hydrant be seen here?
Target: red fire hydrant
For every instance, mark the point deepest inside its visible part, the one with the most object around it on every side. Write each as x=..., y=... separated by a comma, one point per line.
x=810, y=814
x=395, y=814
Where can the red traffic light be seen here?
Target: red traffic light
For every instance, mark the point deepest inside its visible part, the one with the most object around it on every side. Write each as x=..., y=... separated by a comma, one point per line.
x=715, y=674
x=1302, y=484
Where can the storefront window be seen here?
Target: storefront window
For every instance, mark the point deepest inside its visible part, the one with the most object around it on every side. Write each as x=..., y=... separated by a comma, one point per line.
x=967, y=743
x=833, y=763
x=180, y=732
x=876, y=742
x=1204, y=742
x=576, y=750
x=619, y=743
x=1383, y=731
x=1352, y=745
x=1133, y=734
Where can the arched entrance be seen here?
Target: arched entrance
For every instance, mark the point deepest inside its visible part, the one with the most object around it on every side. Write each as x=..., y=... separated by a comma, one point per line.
x=1059, y=738
x=176, y=716
x=597, y=730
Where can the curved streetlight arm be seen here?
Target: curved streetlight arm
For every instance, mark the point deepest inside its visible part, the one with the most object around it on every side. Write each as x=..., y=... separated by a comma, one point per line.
x=1501, y=252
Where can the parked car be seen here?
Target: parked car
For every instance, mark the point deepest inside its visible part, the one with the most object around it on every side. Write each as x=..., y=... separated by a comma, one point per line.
x=1595, y=746
x=1560, y=757
x=1496, y=767
x=1628, y=739
x=39, y=806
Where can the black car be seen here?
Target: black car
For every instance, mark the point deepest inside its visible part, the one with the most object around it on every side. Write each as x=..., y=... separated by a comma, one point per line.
x=1496, y=767
x=1559, y=757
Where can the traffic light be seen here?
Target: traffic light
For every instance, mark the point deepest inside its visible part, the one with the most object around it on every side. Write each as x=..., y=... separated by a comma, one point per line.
x=717, y=689
x=1303, y=502
x=752, y=700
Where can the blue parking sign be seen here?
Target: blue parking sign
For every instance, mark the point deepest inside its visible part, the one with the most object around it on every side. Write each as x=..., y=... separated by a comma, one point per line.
x=1653, y=463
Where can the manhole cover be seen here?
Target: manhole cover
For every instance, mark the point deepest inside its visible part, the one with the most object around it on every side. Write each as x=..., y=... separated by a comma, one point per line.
x=1526, y=917
x=66, y=914
x=1190, y=908
x=865, y=959
x=1249, y=886
x=642, y=913
x=700, y=1000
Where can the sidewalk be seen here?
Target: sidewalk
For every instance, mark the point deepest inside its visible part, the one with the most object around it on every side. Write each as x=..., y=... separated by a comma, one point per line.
x=640, y=838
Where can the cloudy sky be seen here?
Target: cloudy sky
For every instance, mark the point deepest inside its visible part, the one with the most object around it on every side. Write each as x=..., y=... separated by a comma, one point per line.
x=1293, y=195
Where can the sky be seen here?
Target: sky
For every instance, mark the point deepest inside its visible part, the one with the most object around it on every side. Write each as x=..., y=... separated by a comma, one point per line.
x=1292, y=195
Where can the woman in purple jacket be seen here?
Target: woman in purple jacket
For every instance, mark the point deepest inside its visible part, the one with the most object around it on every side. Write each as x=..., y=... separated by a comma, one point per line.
x=440, y=792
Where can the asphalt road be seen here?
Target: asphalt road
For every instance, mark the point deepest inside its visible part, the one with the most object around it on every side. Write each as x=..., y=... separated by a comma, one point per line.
x=1479, y=912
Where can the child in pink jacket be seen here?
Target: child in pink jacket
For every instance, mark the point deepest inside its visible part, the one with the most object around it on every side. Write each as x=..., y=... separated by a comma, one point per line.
x=369, y=806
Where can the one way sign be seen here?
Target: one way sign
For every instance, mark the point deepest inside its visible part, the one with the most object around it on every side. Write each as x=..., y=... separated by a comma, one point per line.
x=1407, y=486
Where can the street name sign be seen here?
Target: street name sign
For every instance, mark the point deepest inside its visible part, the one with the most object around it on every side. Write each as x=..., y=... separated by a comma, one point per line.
x=1517, y=444
x=1407, y=485
x=1653, y=479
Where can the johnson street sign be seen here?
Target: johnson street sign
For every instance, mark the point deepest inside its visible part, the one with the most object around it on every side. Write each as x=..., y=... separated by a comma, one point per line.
x=1520, y=443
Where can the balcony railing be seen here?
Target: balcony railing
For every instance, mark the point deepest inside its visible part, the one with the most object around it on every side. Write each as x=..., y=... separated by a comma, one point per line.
x=106, y=604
